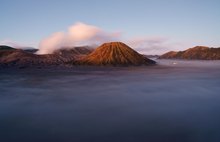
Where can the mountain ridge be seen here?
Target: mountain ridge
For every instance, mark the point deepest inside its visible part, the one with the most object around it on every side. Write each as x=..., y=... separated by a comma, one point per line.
x=111, y=54
x=24, y=58
x=195, y=53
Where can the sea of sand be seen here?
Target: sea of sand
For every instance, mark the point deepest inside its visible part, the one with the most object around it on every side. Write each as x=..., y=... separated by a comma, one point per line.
x=173, y=101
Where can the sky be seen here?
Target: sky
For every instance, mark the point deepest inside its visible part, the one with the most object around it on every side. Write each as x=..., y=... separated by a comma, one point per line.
x=152, y=26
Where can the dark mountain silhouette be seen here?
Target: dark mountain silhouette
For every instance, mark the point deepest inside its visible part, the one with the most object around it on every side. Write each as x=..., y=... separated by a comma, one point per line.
x=30, y=50
x=152, y=56
x=196, y=53
x=116, y=54
x=5, y=47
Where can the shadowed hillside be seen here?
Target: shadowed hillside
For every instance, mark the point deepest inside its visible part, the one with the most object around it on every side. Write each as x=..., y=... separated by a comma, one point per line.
x=5, y=47
x=115, y=53
x=196, y=53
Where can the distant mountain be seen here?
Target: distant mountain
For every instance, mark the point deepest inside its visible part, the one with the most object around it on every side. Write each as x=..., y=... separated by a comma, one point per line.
x=152, y=56
x=5, y=47
x=82, y=50
x=116, y=54
x=28, y=49
x=71, y=54
x=196, y=53
x=31, y=50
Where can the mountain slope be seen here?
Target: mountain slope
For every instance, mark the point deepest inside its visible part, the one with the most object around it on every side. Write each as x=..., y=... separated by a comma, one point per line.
x=18, y=57
x=5, y=47
x=115, y=53
x=196, y=53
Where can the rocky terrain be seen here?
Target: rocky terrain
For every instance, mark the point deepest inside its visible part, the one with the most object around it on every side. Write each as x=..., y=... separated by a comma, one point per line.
x=115, y=54
x=196, y=53
x=26, y=58
x=112, y=54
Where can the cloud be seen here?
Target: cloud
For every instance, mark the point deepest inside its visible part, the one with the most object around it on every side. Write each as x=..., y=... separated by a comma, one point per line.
x=155, y=44
x=81, y=34
x=77, y=35
x=148, y=45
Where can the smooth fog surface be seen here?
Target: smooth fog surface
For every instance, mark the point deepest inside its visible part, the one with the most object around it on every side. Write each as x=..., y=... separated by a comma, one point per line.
x=176, y=101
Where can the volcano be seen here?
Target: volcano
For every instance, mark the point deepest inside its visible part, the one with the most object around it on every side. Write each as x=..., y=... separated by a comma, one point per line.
x=115, y=54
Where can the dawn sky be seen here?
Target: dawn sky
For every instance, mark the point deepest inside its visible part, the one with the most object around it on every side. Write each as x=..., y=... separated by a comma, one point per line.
x=194, y=22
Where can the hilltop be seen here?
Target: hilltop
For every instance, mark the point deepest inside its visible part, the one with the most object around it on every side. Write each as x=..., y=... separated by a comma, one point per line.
x=195, y=53
x=5, y=47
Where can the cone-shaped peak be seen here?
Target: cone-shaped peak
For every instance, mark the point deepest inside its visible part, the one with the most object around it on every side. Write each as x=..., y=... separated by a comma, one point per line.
x=115, y=53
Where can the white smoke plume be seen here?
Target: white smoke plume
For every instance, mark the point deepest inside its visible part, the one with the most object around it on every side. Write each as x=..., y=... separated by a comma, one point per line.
x=77, y=35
